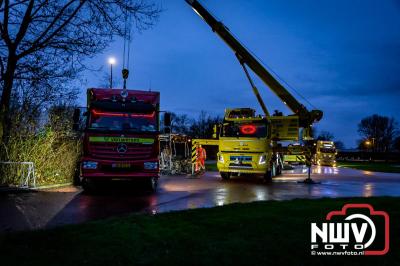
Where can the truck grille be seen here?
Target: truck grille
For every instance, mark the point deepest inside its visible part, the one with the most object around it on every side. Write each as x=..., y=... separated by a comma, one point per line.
x=240, y=166
x=240, y=162
x=240, y=158
x=109, y=151
x=109, y=168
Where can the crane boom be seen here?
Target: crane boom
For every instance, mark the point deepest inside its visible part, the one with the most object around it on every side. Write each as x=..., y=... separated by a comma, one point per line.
x=306, y=118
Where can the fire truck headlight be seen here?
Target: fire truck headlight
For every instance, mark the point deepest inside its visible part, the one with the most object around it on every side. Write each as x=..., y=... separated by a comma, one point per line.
x=221, y=158
x=89, y=165
x=150, y=165
x=263, y=159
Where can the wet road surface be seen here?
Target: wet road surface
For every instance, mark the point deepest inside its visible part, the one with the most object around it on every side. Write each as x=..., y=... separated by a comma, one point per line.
x=44, y=209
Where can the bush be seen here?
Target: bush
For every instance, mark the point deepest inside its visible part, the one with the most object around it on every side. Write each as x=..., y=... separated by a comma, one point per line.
x=54, y=154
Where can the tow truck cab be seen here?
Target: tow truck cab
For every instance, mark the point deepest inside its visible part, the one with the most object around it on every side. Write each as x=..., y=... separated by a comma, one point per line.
x=120, y=139
x=244, y=144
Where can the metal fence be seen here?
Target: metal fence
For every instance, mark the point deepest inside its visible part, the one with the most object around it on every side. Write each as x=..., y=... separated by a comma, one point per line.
x=21, y=174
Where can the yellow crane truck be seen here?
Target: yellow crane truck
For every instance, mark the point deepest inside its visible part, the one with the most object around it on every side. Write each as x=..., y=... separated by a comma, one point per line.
x=244, y=144
x=250, y=143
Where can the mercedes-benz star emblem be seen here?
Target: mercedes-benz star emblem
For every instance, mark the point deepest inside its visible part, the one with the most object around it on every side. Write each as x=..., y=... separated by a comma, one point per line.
x=122, y=148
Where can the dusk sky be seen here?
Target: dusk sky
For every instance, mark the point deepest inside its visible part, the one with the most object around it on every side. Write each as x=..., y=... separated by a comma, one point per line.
x=342, y=56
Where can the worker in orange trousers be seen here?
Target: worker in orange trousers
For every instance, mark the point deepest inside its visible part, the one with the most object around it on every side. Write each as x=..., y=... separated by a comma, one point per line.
x=201, y=156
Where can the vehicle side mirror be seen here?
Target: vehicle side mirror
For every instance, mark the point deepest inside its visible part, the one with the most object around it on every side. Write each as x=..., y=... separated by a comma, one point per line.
x=167, y=119
x=76, y=119
x=167, y=122
x=215, y=131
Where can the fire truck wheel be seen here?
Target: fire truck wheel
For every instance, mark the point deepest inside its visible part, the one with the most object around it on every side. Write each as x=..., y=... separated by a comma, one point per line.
x=87, y=186
x=153, y=183
x=77, y=173
x=225, y=176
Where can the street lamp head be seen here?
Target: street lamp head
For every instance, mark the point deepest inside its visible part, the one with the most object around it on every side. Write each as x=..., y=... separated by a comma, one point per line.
x=367, y=142
x=111, y=60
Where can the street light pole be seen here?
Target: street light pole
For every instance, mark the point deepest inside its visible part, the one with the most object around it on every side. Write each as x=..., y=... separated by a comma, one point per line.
x=111, y=77
x=111, y=61
x=373, y=144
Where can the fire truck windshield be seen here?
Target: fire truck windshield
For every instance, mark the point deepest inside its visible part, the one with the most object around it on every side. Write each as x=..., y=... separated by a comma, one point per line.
x=112, y=121
x=256, y=130
x=327, y=150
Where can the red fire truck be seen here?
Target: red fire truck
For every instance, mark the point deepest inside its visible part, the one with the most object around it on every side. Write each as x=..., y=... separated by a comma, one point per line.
x=120, y=140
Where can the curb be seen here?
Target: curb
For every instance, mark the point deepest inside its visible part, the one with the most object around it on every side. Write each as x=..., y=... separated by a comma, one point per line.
x=27, y=190
x=6, y=190
x=52, y=186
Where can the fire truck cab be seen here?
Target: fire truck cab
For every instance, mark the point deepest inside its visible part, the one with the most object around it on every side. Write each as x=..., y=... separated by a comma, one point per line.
x=120, y=137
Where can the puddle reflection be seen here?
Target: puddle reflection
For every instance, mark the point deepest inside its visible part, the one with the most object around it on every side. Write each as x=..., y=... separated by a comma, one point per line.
x=325, y=170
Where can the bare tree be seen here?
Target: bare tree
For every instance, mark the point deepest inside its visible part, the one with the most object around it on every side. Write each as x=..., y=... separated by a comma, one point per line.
x=46, y=41
x=104, y=81
x=60, y=118
x=325, y=135
x=379, y=131
x=396, y=143
x=339, y=145
x=203, y=126
x=180, y=123
x=31, y=100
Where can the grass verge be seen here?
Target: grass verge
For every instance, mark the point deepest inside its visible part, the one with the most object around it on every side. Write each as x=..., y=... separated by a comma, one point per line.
x=261, y=233
x=372, y=166
x=54, y=154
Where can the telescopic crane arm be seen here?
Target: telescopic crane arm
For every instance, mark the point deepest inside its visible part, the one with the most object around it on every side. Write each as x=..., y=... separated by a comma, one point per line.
x=306, y=118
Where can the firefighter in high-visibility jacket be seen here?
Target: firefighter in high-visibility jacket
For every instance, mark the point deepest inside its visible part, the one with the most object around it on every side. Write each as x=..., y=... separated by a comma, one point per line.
x=201, y=156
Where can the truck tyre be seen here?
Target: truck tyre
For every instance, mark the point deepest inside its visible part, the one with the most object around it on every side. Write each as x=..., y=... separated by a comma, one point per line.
x=225, y=176
x=77, y=172
x=152, y=184
x=278, y=170
x=270, y=173
x=87, y=186
x=268, y=176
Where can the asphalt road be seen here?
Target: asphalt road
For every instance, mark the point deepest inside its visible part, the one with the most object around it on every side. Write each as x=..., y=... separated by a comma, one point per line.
x=44, y=209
